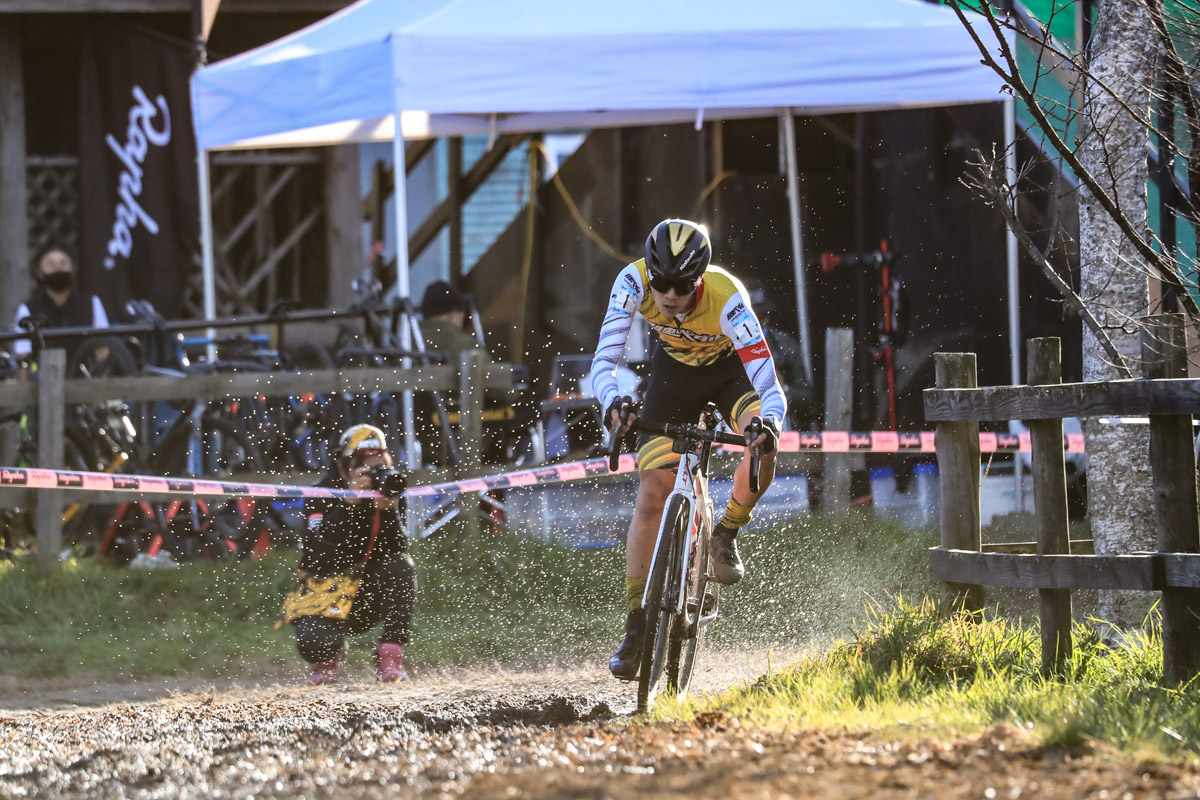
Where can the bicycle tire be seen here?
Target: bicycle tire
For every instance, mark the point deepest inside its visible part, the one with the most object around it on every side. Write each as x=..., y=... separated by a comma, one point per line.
x=119, y=361
x=659, y=620
x=173, y=455
x=690, y=638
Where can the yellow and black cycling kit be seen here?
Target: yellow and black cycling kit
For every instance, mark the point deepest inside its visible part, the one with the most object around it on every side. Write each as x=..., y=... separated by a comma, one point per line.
x=715, y=352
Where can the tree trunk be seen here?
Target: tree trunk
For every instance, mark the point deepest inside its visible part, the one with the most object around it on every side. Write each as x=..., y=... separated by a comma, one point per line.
x=1114, y=281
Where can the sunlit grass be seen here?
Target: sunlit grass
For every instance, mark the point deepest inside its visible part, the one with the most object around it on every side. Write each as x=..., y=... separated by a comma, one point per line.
x=913, y=670
x=519, y=602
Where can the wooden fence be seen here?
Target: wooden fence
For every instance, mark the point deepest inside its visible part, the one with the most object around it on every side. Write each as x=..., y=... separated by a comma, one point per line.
x=51, y=393
x=1167, y=398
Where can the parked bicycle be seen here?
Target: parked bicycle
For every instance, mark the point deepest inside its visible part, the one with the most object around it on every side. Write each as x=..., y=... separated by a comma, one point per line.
x=681, y=600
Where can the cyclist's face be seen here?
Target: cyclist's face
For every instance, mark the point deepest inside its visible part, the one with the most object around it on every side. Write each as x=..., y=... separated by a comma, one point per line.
x=671, y=303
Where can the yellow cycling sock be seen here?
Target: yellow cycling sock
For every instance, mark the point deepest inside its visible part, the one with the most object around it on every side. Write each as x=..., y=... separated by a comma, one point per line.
x=736, y=515
x=634, y=589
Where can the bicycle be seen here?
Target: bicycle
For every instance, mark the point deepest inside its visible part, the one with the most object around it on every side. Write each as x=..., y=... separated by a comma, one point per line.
x=681, y=599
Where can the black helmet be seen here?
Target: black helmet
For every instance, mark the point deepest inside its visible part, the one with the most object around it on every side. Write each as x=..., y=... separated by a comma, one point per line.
x=678, y=250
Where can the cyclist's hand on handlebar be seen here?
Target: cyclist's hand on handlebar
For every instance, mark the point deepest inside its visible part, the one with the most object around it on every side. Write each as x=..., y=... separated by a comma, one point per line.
x=612, y=415
x=768, y=438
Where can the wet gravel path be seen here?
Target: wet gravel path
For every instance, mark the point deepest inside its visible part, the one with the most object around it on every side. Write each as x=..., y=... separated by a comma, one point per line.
x=498, y=734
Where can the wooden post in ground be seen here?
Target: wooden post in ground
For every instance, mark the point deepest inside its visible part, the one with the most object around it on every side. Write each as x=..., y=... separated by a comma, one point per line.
x=470, y=440
x=957, y=446
x=1044, y=366
x=52, y=367
x=839, y=397
x=14, y=194
x=1173, y=470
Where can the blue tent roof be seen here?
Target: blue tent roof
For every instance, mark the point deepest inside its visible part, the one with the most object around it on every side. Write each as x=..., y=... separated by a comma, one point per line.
x=458, y=66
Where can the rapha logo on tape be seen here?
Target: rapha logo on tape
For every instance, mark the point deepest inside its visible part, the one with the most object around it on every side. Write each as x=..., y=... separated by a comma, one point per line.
x=12, y=476
x=140, y=134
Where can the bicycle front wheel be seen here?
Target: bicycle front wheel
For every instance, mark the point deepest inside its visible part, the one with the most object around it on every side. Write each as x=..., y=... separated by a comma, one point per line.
x=659, y=605
x=688, y=634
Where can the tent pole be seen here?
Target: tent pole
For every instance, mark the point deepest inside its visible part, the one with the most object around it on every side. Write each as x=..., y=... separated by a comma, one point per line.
x=1010, y=246
x=400, y=191
x=793, y=193
x=208, y=266
x=1014, y=287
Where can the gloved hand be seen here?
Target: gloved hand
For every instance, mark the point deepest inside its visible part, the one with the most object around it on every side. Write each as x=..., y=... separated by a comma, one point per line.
x=612, y=414
x=768, y=438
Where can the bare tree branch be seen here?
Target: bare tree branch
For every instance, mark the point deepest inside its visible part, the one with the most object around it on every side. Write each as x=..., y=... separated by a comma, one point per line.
x=1166, y=269
x=990, y=184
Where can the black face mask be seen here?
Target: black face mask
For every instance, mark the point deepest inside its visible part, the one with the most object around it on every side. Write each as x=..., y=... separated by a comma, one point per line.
x=58, y=281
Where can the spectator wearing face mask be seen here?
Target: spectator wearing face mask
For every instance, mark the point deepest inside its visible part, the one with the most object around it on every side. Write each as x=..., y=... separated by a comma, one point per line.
x=56, y=302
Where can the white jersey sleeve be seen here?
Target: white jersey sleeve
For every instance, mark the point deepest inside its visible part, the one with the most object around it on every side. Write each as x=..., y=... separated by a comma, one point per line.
x=740, y=324
x=21, y=347
x=623, y=303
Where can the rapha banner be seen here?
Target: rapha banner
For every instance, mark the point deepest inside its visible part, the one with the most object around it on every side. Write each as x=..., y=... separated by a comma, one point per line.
x=140, y=219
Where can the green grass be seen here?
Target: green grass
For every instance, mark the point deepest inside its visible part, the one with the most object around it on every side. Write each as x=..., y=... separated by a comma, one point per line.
x=525, y=603
x=911, y=669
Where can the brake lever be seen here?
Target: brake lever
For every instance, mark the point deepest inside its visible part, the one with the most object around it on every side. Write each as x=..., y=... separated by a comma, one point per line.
x=754, y=429
x=624, y=409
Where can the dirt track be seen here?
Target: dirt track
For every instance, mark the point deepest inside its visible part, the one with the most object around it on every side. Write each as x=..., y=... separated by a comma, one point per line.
x=492, y=733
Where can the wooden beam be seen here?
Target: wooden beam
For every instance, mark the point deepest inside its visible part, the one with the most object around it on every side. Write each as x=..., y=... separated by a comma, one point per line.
x=261, y=206
x=1115, y=398
x=14, y=195
x=1079, y=547
x=277, y=254
x=957, y=445
x=1173, y=475
x=361, y=380
x=1047, y=572
x=440, y=216
x=52, y=368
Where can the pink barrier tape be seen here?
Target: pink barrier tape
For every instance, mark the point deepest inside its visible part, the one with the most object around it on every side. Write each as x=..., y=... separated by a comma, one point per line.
x=102, y=481
x=537, y=476
x=897, y=442
x=790, y=442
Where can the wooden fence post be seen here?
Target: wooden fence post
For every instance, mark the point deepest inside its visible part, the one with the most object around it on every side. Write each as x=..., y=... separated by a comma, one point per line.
x=839, y=389
x=1044, y=366
x=957, y=446
x=470, y=441
x=1173, y=470
x=52, y=367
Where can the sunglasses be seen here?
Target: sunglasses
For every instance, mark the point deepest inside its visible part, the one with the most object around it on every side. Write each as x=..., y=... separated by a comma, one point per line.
x=682, y=286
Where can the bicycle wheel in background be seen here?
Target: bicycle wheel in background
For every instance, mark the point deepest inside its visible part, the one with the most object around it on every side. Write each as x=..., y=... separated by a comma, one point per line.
x=225, y=450
x=311, y=420
x=660, y=613
x=687, y=636
x=218, y=451
x=102, y=357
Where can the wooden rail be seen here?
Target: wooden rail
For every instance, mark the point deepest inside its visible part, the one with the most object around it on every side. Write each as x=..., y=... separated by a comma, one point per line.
x=1169, y=400
x=52, y=393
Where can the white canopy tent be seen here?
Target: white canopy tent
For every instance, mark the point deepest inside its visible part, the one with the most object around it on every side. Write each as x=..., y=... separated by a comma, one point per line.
x=454, y=67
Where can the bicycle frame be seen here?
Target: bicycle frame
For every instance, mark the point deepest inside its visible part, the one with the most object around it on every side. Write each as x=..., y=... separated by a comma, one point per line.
x=691, y=485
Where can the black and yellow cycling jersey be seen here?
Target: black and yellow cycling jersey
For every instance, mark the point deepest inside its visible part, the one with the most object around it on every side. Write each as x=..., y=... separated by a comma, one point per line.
x=698, y=338
x=719, y=324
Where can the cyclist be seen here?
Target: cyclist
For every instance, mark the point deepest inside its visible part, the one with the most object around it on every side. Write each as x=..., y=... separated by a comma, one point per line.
x=357, y=542
x=710, y=349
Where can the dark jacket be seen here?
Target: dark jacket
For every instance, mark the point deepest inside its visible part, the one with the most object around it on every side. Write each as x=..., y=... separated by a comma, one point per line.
x=339, y=532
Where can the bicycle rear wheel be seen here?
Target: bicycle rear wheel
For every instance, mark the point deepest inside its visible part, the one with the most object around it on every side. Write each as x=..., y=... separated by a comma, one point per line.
x=659, y=605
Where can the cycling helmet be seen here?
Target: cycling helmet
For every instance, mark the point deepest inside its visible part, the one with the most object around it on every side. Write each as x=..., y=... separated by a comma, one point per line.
x=361, y=439
x=678, y=250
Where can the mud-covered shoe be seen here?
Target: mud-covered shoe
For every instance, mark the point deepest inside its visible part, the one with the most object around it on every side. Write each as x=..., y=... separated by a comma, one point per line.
x=726, y=563
x=326, y=672
x=389, y=663
x=624, y=665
